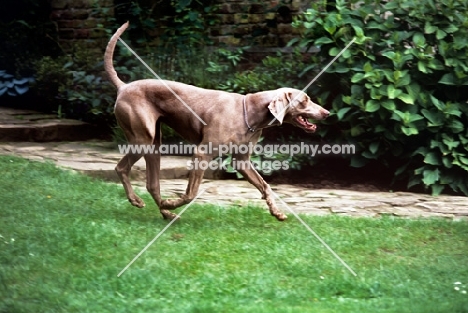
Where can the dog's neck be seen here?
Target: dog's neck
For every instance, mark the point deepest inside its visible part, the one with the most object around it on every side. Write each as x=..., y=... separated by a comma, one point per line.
x=256, y=113
x=246, y=119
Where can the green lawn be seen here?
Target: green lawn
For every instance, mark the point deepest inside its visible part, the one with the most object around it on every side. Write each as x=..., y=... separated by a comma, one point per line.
x=64, y=238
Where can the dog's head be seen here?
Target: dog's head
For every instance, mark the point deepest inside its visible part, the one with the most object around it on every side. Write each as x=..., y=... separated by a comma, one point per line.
x=295, y=107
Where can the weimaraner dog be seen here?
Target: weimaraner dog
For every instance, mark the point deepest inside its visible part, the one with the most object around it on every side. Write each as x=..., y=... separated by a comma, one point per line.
x=230, y=118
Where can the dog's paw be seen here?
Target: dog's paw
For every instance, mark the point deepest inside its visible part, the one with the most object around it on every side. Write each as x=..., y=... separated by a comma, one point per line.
x=167, y=215
x=137, y=202
x=281, y=217
x=165, y=205
x=171, y=204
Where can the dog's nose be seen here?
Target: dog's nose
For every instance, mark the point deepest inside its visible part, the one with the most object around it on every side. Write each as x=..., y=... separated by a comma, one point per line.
x=325, y=113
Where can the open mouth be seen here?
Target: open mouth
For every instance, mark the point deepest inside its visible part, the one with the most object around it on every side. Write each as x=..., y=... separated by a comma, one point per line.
x=305, y=124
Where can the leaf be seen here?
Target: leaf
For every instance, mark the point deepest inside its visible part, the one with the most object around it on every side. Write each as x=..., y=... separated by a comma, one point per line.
x=358, y=30
x=21, y=89
x=447, y=79
x=346, y=99
x=184, y=3
x=20, y=81
x=372, y=106
x=434, y=118
x=435, y=64
x=341, y=112
x=193, y=16
x=432, y=158
x=409, y=131
x=330, y=27
x=401, y=169
x=375, y=94
x=439, y=104
x=403, y=80
x=367, y=67
x=406, y=98
x=398, y=115
x=357, y=77
x=392, y=93
x=413, y=90
x=415, y=117
x=456, y=126
x=339, y=68
x=429, y=29
x=293, y=41
x=419, y=40
x=369, y=155
x=463, y=160
x=322, y=41
x=453, y=109
x=422, y=67
x=307, y=69
x=389, y=54
x=437, y=189
x=7, y=76
x=450, y=29
x=389, y=75
x=334, y=51
x=374, y=147
x=430, y=176
x=356, y=131
x=388, y=104
x=447, y=162
x=440, y=34
x=450, y=143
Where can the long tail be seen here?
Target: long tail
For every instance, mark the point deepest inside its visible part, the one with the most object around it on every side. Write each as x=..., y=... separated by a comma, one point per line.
x=108, y=62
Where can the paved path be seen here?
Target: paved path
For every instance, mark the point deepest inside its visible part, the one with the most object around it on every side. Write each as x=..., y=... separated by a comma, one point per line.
x=98, y=159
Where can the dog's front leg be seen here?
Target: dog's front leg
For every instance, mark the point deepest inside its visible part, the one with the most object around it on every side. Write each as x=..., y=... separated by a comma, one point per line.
x=245, y=167
x=198, y=166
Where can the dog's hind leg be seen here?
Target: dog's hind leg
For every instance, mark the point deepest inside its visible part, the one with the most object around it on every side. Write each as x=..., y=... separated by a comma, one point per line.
x=153, y=166
x=139, y=129
x=123, y=171
x=199, y=160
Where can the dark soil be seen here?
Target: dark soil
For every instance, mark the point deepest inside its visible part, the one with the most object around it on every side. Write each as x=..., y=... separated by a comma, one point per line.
x=337, y=174
x=320, y=177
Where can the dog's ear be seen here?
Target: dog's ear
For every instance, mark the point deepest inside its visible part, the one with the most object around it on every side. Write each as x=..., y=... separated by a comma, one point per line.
x=280, y=105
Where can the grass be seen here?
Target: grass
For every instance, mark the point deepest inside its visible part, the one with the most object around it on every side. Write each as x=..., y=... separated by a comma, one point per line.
x=64, y=238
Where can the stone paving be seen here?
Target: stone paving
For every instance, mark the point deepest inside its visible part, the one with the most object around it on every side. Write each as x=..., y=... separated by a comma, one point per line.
x=98, y=159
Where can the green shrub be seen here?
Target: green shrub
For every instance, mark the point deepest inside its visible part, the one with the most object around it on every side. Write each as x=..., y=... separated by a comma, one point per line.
x=399, y=92
x=74, y=87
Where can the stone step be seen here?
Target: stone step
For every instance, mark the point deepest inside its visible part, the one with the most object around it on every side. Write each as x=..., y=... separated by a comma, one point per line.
x=26, y=125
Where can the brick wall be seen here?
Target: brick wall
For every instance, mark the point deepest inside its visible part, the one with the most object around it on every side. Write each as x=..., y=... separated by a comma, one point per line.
x=265, y=24
x=262, y=23
x=78, y=21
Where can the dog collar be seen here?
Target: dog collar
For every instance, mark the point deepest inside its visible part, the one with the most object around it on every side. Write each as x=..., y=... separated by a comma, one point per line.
x=251, y=129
